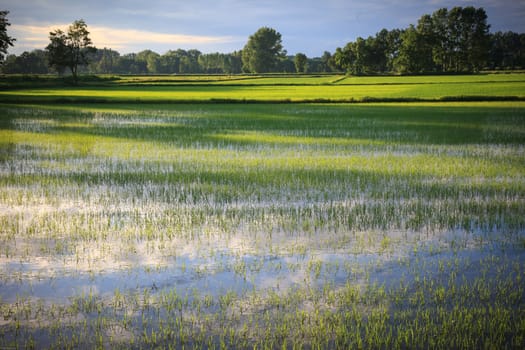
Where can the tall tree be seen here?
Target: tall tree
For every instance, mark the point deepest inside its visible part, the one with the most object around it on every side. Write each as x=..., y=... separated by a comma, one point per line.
x=152, y=60
x=70, y=49
x=474, y=39
x=392, y=44
x=328, y=63
x=379, y=47
x=434, y=30
x=415, y=51
x=410, y=59
x=5, y=40
x=235, y=62
x=460, y=38
x=507, y=50
x=170, y=62
x=343, y=57
x=262, y=52
x=107, y=60
x=300, y=61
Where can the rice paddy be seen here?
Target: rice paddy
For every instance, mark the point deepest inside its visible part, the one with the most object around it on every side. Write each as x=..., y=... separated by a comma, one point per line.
x=277, y=89
x=262, y=225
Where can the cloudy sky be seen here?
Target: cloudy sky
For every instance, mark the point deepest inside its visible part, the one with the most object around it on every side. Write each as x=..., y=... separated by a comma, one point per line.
x=308, y=26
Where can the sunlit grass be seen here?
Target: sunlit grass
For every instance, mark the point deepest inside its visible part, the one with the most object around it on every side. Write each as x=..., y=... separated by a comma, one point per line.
x=283, y=89
x=437, y=79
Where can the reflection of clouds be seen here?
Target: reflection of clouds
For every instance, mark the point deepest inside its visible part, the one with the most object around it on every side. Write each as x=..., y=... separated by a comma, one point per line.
x=208, y=266
x=118, y=333
x=283, y=281
x=205, y=250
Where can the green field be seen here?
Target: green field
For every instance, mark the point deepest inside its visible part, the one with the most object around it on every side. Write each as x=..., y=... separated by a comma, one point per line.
x=263, y=225
x=331, y=88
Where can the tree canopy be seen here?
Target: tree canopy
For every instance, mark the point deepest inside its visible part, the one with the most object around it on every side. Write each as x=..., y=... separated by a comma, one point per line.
x=5, y=40
x=456, y=40
x=70, y=49
x=262, y=52
x=300, y=61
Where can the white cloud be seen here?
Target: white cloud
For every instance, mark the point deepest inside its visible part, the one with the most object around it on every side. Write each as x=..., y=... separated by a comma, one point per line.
x=37, y=36
x=117, y=38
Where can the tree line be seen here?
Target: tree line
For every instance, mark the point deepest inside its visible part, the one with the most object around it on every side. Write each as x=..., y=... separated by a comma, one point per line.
x=108, y=61
x=447, y=41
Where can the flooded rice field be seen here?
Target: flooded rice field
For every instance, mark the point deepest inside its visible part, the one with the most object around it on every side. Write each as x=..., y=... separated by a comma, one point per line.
x=262, y=226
